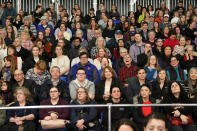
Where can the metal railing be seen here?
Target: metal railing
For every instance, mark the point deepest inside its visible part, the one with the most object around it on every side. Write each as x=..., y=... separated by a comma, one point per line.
x=124, y=6
x=109, y=106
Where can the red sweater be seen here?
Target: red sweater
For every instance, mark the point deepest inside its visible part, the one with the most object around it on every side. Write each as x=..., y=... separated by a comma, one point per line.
x=170, y=42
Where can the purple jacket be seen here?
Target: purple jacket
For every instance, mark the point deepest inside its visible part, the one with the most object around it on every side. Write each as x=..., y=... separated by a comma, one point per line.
x=63, y=113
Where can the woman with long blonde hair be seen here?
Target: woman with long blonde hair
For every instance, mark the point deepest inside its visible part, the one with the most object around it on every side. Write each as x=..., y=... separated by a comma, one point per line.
x=152, y=68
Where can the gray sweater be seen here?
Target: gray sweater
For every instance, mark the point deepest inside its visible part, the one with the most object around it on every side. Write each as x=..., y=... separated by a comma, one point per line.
x=74, y=85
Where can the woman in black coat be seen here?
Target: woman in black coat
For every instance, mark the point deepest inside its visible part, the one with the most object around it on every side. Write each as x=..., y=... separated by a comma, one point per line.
x=141, y=113
x=117, y=113
x=160, y=86
x=180, y=117
x=102, y=88
x=32, y=59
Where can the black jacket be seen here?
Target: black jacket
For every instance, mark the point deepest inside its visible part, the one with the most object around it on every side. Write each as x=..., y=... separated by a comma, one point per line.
x=29, y=84
x=63, y=89
x=23, y=53
x=117, y=113
x=138, y=116
x=100, y=88
x=30, y=63
x=157, y=92
x=133, y=88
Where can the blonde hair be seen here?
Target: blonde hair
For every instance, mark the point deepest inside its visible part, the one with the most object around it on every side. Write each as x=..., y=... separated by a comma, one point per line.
x=156, y=64
x=86, y=92
x=104, y=43
x=25, y=91
x=3, y=45
x=27, y=35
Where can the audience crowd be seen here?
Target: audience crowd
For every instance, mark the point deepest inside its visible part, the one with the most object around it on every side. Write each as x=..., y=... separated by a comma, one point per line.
x=148, y=56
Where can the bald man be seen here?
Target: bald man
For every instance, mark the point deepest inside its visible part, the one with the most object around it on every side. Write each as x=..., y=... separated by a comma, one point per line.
x=27, y=83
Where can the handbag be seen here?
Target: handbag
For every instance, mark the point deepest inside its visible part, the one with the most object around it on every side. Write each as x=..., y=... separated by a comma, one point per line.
x=53, y=124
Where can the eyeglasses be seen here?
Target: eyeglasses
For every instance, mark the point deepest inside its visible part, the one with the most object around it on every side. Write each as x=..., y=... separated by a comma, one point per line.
x=80, y=73
x=18, y=74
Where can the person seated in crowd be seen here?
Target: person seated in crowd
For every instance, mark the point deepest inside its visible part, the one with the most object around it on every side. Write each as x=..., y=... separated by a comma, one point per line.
x=113, y=43
x=45, y=46
x=32, y=59
x=7, y=72
x=26, y=83
x=191, y=84
x=26, y=40
x=157, y=50
x=2, y=113
x=156, y=121
x=3, y=51
x=21, y=119
x=180, y=48
x=81, y=81
x=172, y=40
x=79, y=33
x=144, y=31
x=140, y=113
x=164, y=59
x=117, y=113
x=65, y=31
x=165, y=22
x=9, y=13
x=104, y=63
x=21, y=51
x=27, y=22
x=101, y=54
x=128, y=70
x=91, y=70
x=152, y=68
x=38, y=73
x=6, y=93
x=132, y=84
x=175, y=72
x=83, y=118
x=54, y=114
x=190, y=59
x=62, y=61
x=77, y=59
x=103, y=87
x=137, y=48
x=119, y=61
x=100, y=43
x=73, y=52
x=151, y=38
x=43, y=24
x=121, y=43
x=54, y=81
x=180, y=117
x=125, y=125
x=142, y=58
x=37, y=14
x=160, y=86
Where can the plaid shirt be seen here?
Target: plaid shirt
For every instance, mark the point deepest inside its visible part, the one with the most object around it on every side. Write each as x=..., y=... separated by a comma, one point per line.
x=125, y=72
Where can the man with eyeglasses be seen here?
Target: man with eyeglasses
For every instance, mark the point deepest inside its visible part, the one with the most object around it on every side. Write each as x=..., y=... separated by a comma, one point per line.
x=54, y=81
x=175, y=73
x=81, y=81
x=27, y=83
x=92, y=73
